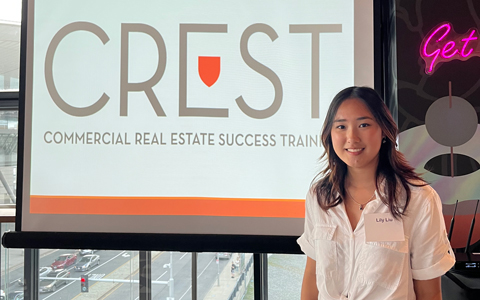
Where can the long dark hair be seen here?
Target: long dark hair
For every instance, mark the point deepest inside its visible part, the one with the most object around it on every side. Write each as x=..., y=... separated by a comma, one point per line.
x=392, y=165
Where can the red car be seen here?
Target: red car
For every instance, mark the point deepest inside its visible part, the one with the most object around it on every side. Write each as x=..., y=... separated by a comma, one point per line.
x=64, y=261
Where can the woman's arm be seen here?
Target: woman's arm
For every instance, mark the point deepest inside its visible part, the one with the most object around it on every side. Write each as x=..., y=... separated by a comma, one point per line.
x=309, y=285
x=427, y=289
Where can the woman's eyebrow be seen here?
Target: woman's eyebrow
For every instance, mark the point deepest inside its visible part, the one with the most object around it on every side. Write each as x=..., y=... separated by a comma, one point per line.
x=358, y=119
x=364, y=118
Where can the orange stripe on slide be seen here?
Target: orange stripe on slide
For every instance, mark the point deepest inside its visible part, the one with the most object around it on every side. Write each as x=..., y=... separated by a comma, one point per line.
x=168, y=206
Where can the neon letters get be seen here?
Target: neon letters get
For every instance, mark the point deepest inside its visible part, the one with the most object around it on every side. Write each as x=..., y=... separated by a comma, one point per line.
x=443, y=44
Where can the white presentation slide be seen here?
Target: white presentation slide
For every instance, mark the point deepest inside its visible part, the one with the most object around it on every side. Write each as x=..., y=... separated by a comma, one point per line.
x=193, y=116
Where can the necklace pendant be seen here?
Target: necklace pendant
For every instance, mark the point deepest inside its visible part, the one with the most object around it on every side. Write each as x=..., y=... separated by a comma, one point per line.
x=361, y=206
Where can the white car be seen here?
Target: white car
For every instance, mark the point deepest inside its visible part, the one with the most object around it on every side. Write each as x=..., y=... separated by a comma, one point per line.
x=42, y=272
x=86, y=251
x=223, y=255
x=87, y=262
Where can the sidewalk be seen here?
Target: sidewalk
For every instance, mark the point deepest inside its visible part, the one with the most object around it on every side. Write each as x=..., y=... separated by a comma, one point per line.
x=227, y=283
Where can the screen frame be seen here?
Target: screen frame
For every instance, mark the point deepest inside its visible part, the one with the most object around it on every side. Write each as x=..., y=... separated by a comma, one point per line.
x=147, y=241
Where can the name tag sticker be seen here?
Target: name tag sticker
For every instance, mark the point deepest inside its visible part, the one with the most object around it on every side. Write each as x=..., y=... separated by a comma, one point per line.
x=383, y=228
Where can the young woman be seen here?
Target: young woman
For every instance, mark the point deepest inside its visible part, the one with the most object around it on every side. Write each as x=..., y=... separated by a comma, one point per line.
x=373, y=228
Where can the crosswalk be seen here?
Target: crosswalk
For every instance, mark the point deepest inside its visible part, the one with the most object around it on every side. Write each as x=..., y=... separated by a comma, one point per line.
x=95, y=276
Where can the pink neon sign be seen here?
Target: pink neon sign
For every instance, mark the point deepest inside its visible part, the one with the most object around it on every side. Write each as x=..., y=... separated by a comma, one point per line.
x=443, y=44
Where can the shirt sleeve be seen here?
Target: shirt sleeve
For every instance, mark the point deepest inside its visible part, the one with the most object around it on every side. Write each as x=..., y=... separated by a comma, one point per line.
x=431, y=254
x=305, y=240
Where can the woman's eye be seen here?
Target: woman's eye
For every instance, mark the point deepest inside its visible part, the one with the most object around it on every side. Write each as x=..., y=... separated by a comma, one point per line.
x=364, y=125
x=340, y=127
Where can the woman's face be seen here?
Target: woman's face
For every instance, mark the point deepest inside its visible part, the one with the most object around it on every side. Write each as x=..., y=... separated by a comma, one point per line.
x=356, y=135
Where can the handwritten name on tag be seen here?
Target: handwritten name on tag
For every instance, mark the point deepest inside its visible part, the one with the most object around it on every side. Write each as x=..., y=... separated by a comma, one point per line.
x=383, y=228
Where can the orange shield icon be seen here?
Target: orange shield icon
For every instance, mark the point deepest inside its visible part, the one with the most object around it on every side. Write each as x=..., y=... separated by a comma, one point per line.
x=209, y=69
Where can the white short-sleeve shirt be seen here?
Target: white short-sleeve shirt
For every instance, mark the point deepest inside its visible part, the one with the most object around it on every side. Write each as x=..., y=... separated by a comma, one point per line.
x=348, y=267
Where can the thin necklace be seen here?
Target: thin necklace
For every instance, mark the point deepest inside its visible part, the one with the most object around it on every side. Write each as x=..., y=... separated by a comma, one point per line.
x=362, y=206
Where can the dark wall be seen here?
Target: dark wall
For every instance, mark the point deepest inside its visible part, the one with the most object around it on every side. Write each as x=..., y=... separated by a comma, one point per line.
x=449, y=137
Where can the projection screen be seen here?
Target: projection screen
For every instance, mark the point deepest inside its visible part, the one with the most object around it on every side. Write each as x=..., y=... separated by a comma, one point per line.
x=189, y=117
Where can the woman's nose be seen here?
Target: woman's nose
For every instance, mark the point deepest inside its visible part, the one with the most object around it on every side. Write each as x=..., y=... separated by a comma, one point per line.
x=352, y=135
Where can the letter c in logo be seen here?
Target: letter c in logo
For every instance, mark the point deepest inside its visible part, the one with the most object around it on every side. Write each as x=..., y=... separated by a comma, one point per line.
x=67, y=29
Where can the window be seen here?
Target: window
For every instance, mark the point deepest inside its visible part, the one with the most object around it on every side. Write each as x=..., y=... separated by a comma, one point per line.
x=8, y=156
x=10, y=17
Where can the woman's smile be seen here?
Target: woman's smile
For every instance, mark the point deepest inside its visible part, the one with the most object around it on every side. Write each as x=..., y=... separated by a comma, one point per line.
x=355, y=151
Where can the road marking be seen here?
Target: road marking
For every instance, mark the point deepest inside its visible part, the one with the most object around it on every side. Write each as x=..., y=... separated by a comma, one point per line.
x=100, y=265
x=112, y=290
x=104, y=296
x=183, y=255
x=96, y=276
x=185, y=293
x=206, y=267
x=198, y=276
x=161, y=275
x=109, y=292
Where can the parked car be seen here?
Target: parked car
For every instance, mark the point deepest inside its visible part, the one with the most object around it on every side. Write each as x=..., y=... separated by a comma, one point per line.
x=64, y=261
x=86, y=251
x=2, y=295
x=86, y=262
x=51, y=284
x=42, y=271
x=223, y=255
